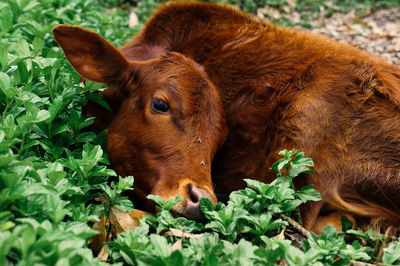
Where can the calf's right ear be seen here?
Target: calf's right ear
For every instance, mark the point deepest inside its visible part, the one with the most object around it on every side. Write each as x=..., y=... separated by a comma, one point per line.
x=91, y=55
x=98, y=60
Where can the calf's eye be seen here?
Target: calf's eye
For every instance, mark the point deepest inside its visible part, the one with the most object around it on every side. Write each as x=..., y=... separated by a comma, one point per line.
x=159, y=106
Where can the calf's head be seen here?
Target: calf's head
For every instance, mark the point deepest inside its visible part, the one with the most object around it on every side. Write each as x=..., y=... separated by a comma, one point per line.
x=167, y=119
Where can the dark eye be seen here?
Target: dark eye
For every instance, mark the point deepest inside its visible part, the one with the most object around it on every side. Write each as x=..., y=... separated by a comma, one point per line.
x=159, y=106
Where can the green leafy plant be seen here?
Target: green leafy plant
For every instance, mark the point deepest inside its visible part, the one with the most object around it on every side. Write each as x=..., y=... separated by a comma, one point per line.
x=241, y=232
x=53, y=167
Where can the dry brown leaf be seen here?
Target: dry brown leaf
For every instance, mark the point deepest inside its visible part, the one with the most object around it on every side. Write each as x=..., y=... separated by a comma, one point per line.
x=362, y=263
x=103, y=255
x=281, y=235
x=98, y=240
x=177, y=245
x=287, y=9
x=102, y=199
x=283, y=263
x=176, y=232
x=260, y=14
x=296, y=238
x=348, y=26
x=121, y=221
x=291, y=3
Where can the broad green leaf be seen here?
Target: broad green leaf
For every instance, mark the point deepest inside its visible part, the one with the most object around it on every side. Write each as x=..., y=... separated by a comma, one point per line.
x=297, y=169
x=4, y=55
x=81, y=230
x=6, y=157
x=124, y=183
x=307, y=193
x=11, y=178
x=206, y=205
x=391, y=253
x=44, y=62
x=291, y=205
x=6, y=226
x=295, y=256
x=5, y=86
x=55, y=172
x=58, y=128
x=42, y=116
x=157, y=199
x=160, y=246
x=110, y=193
x=7, y=240
x=124, y=204
x=6, y=18
x=22, y=49
x=38, y=44
x=98, y=98
x=346, y=223
x=171, y=202
x=56, y=208
x=54, y=108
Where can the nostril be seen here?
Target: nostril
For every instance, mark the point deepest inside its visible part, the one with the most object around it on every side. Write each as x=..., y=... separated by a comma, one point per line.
x=192, y=208
x=194, y=193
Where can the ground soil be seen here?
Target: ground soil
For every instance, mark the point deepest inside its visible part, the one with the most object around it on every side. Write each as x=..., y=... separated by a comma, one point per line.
x=376, y=32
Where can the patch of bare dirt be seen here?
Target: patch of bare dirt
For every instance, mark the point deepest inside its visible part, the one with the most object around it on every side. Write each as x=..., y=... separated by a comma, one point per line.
x=377, y=33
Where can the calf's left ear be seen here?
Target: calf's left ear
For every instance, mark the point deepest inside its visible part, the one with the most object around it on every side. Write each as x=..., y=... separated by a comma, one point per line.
x=91, y=55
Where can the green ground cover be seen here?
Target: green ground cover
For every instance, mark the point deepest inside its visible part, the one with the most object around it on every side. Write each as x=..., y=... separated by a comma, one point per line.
x=52, y=167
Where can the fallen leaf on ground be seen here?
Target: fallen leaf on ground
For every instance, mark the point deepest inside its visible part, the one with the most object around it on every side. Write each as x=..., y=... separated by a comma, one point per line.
x=98, y=240
x=281, y=235
x=177, y=245
x=121, y=221
x=103, y=255
x=176, y=232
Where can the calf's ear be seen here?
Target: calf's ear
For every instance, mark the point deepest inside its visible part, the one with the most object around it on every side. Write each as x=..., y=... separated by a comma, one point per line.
x=91, y=55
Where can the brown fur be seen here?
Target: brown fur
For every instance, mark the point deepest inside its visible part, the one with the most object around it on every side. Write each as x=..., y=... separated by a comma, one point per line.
x=248, y=89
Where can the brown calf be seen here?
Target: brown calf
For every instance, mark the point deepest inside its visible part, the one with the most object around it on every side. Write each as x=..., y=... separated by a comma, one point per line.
x=205, y=96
